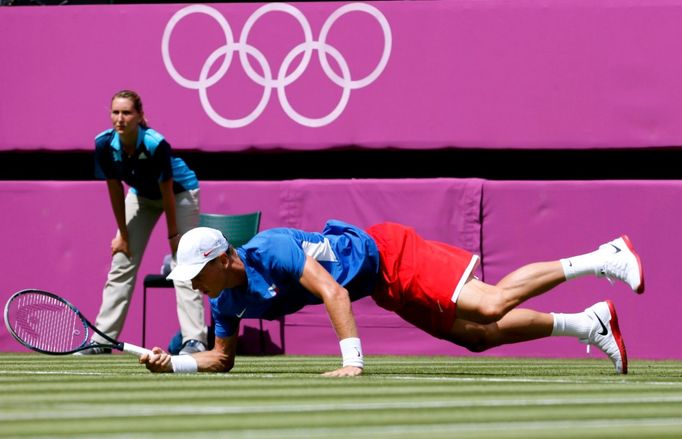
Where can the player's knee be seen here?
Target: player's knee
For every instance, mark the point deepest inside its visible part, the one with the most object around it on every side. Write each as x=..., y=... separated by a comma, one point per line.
x=491, y=310
x=478, y=338
x=477, y=347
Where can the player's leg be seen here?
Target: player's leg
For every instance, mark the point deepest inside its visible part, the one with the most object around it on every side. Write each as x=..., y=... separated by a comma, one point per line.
x=516, y=326
x=484, y=303
x=597, y=325
x=616, y=259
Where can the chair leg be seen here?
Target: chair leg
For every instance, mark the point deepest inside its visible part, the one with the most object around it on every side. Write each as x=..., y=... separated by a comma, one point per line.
x=144, y=316
x=281, y=334
x=211, y=331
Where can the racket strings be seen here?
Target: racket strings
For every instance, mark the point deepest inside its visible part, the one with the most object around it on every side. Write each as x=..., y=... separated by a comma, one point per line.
x=48, y=324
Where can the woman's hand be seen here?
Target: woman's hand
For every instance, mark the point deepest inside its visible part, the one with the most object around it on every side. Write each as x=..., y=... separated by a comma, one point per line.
x=120, y=244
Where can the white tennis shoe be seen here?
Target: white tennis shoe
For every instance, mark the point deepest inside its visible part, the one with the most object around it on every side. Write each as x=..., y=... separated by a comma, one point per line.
x=605, y=334
x=622, y=262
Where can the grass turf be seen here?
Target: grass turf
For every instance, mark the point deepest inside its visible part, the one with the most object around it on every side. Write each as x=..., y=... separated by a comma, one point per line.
x=397, y=397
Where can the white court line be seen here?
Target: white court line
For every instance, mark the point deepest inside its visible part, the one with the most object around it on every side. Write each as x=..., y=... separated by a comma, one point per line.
x=533, y=380
x=424, y=429
x=38, y=372
x=238, y=375
x=81, y=411
x=411, y=430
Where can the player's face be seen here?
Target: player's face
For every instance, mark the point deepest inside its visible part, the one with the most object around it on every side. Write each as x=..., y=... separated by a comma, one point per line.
x=210, y=279
x=124, y=117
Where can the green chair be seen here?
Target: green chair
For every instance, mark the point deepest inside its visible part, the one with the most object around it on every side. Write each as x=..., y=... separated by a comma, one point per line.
x=238, y=229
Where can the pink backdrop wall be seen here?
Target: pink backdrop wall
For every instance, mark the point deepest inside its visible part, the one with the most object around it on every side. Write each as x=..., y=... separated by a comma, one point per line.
x=488, y=73
x=56, y=237
x=530, y=221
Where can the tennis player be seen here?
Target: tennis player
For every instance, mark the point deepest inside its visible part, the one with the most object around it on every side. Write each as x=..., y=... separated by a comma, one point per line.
x=429, y=284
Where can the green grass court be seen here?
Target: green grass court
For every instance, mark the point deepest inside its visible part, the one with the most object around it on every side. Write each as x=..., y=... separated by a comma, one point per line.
x=284, y=397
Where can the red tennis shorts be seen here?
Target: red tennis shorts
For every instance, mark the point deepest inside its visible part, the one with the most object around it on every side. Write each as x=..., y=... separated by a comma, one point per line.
x=420, y=280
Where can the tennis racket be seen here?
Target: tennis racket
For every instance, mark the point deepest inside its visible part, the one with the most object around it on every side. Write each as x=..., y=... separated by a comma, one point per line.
x=47, y=323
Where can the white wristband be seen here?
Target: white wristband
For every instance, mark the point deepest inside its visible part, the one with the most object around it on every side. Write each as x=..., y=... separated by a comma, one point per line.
x=351, y=351
x=184, y=364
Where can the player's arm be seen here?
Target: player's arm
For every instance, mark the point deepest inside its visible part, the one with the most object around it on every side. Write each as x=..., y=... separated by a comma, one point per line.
x=219, y=359
x=338, y=305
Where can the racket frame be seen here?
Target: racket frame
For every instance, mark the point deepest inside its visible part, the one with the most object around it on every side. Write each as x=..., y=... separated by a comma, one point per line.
x=87, y=344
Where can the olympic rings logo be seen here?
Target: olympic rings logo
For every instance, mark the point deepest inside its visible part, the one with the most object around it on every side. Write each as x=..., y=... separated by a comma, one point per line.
x=282, y=80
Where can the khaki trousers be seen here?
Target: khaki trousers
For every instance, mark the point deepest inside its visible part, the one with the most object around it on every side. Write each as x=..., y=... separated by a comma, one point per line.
x=141, y=216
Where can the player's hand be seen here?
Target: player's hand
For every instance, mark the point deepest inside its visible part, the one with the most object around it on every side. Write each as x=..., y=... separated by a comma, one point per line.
x=158, y=362
x=118, y=244
x=348, y=371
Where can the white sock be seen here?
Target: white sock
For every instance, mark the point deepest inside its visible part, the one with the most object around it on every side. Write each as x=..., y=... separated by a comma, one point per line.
x=582, y=265
x=577, y=325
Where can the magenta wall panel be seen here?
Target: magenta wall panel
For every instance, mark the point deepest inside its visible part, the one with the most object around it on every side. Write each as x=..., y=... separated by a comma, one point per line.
x=447, y=210
x=536, y=221
x=56, y=237
x=443, y=73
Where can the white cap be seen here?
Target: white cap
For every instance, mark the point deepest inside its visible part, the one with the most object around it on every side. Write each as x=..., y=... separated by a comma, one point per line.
x=197, y=247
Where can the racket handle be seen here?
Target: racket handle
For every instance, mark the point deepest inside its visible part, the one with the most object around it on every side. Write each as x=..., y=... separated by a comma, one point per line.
x=135, y=350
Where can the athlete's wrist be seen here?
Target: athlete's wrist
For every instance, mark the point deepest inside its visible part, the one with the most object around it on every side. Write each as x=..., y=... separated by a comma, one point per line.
x=184, y=364
x=351, y=352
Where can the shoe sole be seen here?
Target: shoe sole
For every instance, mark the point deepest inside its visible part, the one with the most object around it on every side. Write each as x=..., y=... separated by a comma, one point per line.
x=628, y=243
x=615, y=330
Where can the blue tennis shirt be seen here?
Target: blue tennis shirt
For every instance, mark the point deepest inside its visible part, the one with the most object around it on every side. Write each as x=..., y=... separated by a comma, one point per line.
x=274, y=261
x=151, y=163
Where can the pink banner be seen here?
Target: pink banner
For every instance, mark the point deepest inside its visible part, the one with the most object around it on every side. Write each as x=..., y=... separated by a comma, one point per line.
x=56, y=237
x=527, y=222
x=228, y=77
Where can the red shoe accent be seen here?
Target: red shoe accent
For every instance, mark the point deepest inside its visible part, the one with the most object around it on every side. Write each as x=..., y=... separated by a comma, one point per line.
x=615, y=330
x=639, y=290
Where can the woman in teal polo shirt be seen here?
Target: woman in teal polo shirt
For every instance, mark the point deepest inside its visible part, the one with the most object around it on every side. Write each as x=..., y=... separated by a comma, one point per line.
x=133, y=153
